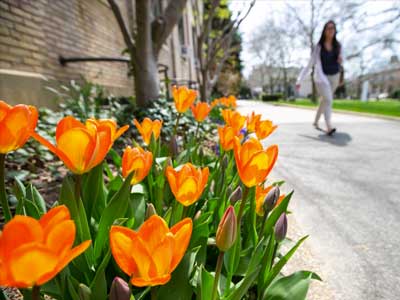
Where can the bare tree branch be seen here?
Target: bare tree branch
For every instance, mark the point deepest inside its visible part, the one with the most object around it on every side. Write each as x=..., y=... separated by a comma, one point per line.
x=163, y=25
x=124, y=30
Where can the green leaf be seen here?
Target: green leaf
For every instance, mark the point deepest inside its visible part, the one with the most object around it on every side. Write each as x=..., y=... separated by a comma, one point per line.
x=33, y=195
x=20, y=193
x=93, y=196
x=115, y=209
x=293, y=287
x=282, y=262
x=137, y=208
x=31, y=209
x=179, y=287
x=78, y=214
x=205, y=284
x=99, y=283
x=243, y=286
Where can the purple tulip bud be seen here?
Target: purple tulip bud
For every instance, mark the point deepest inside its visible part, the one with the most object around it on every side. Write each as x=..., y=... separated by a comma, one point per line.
x=119, y=290
x=236, y=195
x=150, y=211
x=281, y=228
x=271, y=198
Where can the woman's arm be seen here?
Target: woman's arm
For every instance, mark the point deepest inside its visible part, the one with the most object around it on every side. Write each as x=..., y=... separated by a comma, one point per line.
x=306, y=70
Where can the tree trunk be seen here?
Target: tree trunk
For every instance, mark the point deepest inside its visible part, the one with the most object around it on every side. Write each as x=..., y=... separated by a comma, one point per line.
x=204, y=86
x=147, y=87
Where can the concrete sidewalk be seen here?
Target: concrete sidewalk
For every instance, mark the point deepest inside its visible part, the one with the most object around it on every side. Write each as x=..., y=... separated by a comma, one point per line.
x=346, y=199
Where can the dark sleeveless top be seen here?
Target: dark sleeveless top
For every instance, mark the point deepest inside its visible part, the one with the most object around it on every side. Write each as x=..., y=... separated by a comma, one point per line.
x=330, y=66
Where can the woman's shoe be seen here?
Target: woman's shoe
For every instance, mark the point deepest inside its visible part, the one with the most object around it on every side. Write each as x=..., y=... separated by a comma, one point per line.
x=331, y=132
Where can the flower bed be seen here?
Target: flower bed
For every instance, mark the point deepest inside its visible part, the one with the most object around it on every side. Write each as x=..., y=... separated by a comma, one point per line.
x=176, y=222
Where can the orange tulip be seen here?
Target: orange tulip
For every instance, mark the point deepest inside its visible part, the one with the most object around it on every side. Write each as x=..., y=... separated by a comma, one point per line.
x=227, y=137
x=136, y=160
x=147, y=128
x=232, y=101
x=252, y=121
x=183, y=98
x=83, y=146
x=261, y=193
x=253, y=162
x=17, y=123
x=215, y=102
x=188, y=183
x=233, y=119
x=200, y=111
x=264, y=128
x=150, y=255
x=32, y=252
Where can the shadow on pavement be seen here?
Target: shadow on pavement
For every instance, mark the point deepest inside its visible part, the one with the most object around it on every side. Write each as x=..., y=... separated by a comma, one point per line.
x=339, y=138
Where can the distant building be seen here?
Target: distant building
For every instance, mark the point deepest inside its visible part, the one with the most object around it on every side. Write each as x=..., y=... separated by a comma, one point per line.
x=273, y=80
x=382, y=82
x=35, y=33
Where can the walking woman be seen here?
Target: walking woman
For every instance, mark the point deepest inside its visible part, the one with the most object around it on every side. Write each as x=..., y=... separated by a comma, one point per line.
x=327, y=59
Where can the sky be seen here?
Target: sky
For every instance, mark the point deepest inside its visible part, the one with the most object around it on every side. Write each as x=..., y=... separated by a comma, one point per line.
x=264, y=9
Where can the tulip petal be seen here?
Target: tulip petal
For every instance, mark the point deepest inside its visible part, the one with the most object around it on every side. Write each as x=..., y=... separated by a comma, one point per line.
x=69, y=256
x=153, y=231
x=103, y=145
x=30, y=262
x=4, y=108
x=78, y=145
x=187, y=192
x=60, y=238
x=162, y=255
x=66, y=124
x=172, y=179
x=182, y=232
x=140, y=282
x=121, y=243
x=54, y=216
x=19, y=231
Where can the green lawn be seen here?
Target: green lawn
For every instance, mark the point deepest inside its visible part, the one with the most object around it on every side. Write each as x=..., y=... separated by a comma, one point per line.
x=382, y=107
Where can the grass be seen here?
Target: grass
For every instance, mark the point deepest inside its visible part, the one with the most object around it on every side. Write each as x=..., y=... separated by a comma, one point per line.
x=382, y=107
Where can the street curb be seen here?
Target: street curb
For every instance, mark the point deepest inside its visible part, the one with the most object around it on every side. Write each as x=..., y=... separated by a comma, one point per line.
x=342, y=111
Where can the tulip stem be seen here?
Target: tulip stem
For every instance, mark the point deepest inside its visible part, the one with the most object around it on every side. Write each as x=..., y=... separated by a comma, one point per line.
x=78, y=182
x=197, y=131
x=36, y=292
x=153, y=293
x=274, y=254
x=242, y=205
x=4, y=202
x=177, y=123
x=217, y=273
x=263, y=223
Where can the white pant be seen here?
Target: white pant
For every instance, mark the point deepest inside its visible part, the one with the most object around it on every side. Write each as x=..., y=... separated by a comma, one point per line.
x=326, y=92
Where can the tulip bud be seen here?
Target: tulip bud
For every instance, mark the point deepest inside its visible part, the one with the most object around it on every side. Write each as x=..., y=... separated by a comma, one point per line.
x=173, y=146
x=281, y=228
x=84, y=292
x=150, y=211
x=119, y=290
x=271, y=198
x=197, y=215
x=229, y=191
x=212, y=186
x=227, y=230
x=236, y=195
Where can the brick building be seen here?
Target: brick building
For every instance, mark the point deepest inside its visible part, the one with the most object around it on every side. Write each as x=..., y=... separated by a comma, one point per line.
x=35, y=33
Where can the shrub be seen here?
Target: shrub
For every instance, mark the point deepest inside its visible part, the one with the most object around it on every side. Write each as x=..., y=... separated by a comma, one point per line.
x=271, y=97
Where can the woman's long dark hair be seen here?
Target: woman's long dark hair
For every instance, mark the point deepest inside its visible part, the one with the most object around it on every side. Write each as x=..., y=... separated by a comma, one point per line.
x=335, y=43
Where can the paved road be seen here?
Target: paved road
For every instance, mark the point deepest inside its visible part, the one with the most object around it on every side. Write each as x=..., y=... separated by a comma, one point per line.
x=346, y=196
